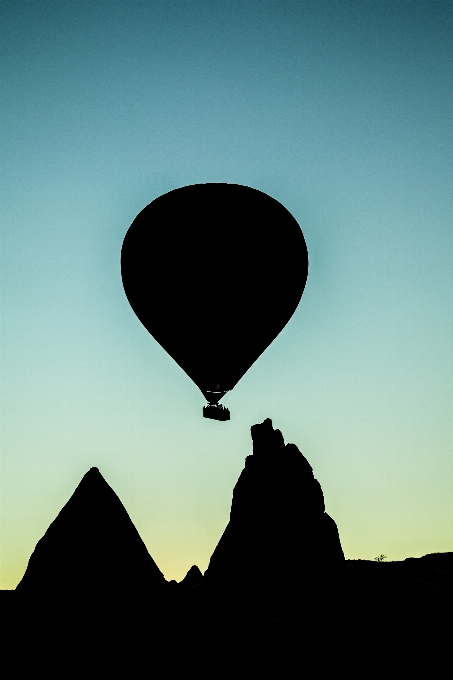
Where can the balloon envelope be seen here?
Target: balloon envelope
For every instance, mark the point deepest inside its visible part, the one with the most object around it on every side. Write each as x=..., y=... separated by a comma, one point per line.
x=214, y=272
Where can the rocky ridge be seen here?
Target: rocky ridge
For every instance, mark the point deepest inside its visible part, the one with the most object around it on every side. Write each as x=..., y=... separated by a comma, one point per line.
x=277, y=585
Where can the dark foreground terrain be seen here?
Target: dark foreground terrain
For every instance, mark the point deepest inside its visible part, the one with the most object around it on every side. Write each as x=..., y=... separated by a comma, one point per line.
x=395, y=616
x=278, y=597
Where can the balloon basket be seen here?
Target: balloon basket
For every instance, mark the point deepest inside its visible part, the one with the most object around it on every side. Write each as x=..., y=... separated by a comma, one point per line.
x=216, y=412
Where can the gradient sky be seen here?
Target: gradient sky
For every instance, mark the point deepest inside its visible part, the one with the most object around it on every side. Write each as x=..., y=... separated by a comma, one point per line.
x=342, y=111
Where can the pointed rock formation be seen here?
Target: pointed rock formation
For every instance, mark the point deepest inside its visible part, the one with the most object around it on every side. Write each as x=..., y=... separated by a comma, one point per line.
x=279, y=543
x=192, y=578
x=91, y=547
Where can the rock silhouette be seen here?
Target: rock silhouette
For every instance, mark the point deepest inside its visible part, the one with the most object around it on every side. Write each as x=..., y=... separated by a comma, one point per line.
x=92, y=547
x=277, y=590
x=280, y=547
x=91, y=591
x=192, y=578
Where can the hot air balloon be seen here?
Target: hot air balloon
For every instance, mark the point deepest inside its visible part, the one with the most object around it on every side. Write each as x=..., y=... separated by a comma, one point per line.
x=214, y=272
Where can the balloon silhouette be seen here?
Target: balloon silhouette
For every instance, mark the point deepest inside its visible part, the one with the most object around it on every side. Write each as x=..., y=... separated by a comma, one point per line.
x=214, y=272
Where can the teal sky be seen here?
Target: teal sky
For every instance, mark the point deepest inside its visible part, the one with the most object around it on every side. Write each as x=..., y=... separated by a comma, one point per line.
x=342, y=111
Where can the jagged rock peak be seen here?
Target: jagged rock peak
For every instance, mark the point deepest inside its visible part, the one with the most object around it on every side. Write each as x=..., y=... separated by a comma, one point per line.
x=266, y=441
x=278, y=524
x=269, y=447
